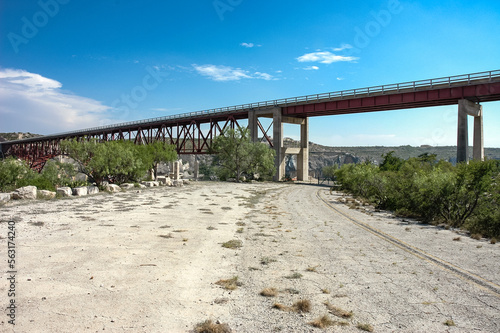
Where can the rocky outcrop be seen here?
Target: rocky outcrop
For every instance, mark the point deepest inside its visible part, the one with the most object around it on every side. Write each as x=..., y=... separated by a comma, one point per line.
x=25, y=193
x=127, y=186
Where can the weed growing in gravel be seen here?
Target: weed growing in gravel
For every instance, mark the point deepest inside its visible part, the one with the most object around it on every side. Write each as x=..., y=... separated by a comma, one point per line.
x=166, y=236
x=269, y=292
x=336, y=311
x=241, y=224
x=295, y=275
x=211, y=228
x=325, y=291
x=37, y=224
x=266, y=260
x=229, y=284
x=292, y=291
x=232, y=244
x=209, y=326
x=312, y=268
x=180, y=230
x=456, y=239
x=365, y=327
x=493, y=240
x=303, y=305
x=240, y=230
x=322, y=322
x=253, y=269
x=476, y=236
x=449, y=322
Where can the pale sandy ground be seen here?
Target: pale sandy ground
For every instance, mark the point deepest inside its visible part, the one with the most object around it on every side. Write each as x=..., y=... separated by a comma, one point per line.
x=100, y=264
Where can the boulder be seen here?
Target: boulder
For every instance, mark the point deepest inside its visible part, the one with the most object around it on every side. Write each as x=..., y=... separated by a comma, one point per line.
x=151, y=184
x=178, y=183
x=142, y=186
x=80, y=191
x=127, y=186
x=113, y=188
x=25, y=193
x=92, y=190
x=64, y=192
x=156, y=184
x=42, y=194
x=5, y=197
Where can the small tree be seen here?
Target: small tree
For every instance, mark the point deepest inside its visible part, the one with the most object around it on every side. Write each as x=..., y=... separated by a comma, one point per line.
x=160, y=152
x=238, y=156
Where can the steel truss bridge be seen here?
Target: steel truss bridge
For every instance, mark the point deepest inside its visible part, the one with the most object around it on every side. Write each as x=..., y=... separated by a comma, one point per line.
x=192, y=133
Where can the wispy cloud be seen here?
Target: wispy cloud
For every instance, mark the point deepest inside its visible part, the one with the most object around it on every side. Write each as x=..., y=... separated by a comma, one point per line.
x=325, y=57
x=249, y=45
x=342, y=47
x=311, y=68
x=31, y=102
x=225, y=73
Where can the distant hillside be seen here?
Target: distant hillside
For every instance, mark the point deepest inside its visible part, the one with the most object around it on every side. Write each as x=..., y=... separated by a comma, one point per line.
x=17, y=136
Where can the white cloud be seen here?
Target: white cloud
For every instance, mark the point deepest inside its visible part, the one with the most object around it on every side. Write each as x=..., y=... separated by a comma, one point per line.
x=342, y=47
x=325, y=57
x=311, y=68
x=340, y=78
x=249, y=45
x=225, y=73
x=31, y=102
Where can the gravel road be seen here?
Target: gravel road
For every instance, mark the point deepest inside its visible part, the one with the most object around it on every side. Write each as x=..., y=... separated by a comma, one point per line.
x=150, y=262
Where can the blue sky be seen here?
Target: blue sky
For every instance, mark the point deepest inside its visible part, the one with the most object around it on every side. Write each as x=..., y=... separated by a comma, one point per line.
x=68, y=64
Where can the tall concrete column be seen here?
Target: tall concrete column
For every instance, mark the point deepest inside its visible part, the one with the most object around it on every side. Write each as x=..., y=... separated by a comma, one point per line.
x=478, y=149
x=303, y=157
x=463, y=136
x=252, y=126
x=278, y=144
x=465, y=108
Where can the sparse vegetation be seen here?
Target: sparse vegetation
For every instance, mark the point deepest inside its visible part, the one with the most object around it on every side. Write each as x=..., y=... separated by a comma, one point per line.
x=232, y=244
x=294, y=275
x=229, y=284
x=266, y=260
x=269, y=292
x=322, y=322
x=449, y=322
x=336, y=311
x=303, y=305
x=208, y=326
x=365, y=327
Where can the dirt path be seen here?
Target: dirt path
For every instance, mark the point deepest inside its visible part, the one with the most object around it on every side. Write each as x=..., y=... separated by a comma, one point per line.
x=149, y=262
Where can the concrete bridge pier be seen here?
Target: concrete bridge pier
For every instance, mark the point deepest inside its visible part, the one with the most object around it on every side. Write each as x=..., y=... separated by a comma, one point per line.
x=278, y=120
x=469, y=108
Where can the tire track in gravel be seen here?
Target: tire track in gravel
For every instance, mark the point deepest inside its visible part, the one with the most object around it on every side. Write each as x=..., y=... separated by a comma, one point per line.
x=447, y=266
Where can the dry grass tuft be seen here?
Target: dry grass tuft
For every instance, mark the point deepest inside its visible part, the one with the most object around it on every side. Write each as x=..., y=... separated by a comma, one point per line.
x=322, y=322
x=269, y=292
x=294, y=276
x=476, y=236
x=233, y=244
x=312, y=268
x=281, y=307
x=229, y=284
x=166, y=236
x=338, y=311
x=493, y=240
x=456, y=239
x=449, y=322
x=365, y=327
x=304, y=305
x=209, y=326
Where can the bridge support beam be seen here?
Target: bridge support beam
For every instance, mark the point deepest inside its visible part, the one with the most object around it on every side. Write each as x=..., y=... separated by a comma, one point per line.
x=468, y=108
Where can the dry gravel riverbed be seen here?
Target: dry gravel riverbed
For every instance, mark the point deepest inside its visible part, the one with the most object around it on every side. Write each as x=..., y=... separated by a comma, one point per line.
x=153, y=262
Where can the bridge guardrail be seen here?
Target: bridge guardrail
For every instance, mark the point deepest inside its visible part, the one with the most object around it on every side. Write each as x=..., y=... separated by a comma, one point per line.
x=283, y=102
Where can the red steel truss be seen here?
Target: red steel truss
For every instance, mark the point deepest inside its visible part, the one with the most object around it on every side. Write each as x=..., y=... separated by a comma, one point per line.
x=192, y=136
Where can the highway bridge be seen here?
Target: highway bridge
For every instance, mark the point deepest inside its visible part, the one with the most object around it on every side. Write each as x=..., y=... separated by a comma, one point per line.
x=192, y=133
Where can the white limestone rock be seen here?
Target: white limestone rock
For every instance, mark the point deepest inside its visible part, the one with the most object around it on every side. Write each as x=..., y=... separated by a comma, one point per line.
x=25, y=193
x=64, y=192
x=127, y=186
x=5, y=197
x=92, y=190
x=43, y=194
x=80, y=191
x=113, y=188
